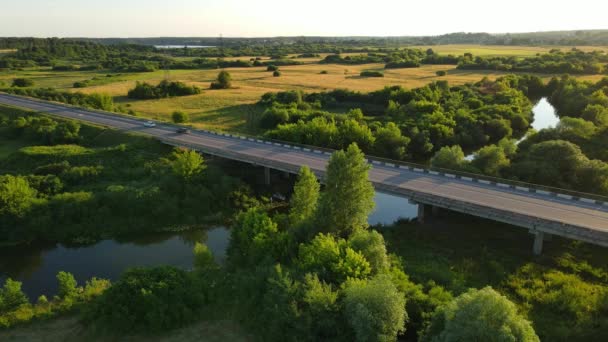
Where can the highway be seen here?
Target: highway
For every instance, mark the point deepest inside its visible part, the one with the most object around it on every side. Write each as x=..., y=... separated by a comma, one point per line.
x=539, y=212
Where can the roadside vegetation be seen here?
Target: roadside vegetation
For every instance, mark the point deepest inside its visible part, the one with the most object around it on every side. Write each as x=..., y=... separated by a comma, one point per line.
x=80, y=183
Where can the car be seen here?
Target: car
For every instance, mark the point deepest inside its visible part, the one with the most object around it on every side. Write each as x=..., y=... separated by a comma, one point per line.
x=149, y=124
x=183, y=130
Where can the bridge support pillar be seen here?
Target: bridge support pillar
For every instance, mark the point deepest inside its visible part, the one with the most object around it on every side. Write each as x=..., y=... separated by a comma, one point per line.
x=266, y=175
x=538, y=243
x=424, y=210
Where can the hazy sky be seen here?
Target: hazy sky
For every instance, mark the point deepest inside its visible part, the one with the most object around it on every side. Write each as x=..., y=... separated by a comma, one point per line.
x=152, y=18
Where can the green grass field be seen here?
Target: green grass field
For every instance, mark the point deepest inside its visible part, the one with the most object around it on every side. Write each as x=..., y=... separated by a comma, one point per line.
x=228, y=109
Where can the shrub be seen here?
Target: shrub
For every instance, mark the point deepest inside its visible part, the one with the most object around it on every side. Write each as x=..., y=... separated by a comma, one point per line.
x=479, y=315
x=67, y=285
x=154, y=299
x=324, y=72
x=22, y=82
x=180, y=117
x=371, y=74
x=80, y=84
x=277, y=73
x=224, y=81
x=441, y=73
x=272, y=68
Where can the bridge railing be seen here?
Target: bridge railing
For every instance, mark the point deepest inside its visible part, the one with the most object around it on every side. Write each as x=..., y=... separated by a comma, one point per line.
x=416, y=167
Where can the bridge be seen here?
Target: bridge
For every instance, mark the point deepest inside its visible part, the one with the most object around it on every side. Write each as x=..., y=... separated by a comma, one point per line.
x=542, y=210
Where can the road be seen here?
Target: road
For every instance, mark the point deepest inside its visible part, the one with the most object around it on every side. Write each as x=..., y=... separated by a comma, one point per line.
x=539, y=212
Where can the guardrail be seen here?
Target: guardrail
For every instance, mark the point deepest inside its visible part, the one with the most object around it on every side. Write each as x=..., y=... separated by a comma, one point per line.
x=566, y=194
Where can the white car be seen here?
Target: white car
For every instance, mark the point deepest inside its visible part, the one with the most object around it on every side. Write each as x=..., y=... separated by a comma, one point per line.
x=149, y=124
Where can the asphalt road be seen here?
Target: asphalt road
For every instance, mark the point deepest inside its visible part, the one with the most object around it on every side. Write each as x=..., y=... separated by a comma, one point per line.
x=577, y=214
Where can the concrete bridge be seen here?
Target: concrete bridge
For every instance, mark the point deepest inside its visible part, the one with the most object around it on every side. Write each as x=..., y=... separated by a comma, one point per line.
x=540, y=209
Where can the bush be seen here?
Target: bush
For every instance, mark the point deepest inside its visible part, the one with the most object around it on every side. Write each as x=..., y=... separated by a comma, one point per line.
x=165, y=88
x=441, y=73
x=22, y=82
x=224, y=81
x=324, y=72
x=479, y=315
x=154, y=299
x=371, y=74
x=272, y=68
x=277, y=73
x=180, y=117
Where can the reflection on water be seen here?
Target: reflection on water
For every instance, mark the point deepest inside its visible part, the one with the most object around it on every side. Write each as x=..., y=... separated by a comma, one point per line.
x=37, y=265
x=390, y=208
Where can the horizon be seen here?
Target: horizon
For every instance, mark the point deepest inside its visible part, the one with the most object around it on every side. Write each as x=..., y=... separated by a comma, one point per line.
x=208, y=18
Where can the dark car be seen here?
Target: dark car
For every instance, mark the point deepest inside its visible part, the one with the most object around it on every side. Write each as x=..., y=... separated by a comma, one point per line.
x=183, y=130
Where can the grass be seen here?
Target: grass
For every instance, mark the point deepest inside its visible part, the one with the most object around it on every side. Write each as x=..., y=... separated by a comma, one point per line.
x=69, y=329
x=229, y=109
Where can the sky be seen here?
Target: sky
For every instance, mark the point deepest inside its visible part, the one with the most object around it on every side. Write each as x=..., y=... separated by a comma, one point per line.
x=269, y=18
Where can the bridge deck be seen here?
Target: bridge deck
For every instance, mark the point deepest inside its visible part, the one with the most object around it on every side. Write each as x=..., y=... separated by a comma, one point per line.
x=576, y=219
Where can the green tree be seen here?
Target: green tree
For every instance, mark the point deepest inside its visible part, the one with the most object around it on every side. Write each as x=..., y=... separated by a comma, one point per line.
x=491, y=160
x=224, y=81
x=390, y=142
x=203, y=258
x=375, y=309
x=349, y=195
x=180, y=117
x=23, y=82
x=479, y=315
x=305, y=197
x=16, y=196
x=255, y=238
x=332, y=260
x=448, y=158
x=67, y=285
x=187, y=163
x=371, y=244
x=11, y=295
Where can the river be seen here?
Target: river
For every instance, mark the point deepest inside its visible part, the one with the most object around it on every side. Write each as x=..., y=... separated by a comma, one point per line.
x=37, y=265
x=545, y=116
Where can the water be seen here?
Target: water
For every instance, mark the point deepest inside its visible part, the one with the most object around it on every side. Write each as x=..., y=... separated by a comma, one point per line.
x=182, y=46
x=545, y=116
x=390, y=208
x=37, y=266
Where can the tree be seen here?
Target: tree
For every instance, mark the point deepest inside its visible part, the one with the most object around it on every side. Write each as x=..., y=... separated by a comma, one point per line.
x=224, y=81
x=255, y=237
x=22, y=82
x=276, y=73
x=491, y=160
x=332, y=260
x=479, y=315
x=441, y=73
x=375, y=309
x=390, y=142
x=180, y=117
x=16, y=196
x=11, y=295
x=305, y=197
x=371, y=245
x=67, y=285
x=203, y=258
x=187, y=163
x=349, y=195
x=450, y=157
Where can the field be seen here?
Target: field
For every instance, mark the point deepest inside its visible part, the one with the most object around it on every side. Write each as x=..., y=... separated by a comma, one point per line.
x=229, y=109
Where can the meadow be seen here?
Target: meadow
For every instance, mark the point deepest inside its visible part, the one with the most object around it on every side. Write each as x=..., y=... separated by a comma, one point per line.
x=229, y=109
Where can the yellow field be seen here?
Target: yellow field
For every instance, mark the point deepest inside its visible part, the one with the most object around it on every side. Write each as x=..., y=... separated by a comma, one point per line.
x=229, y=109
x=500, y=50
